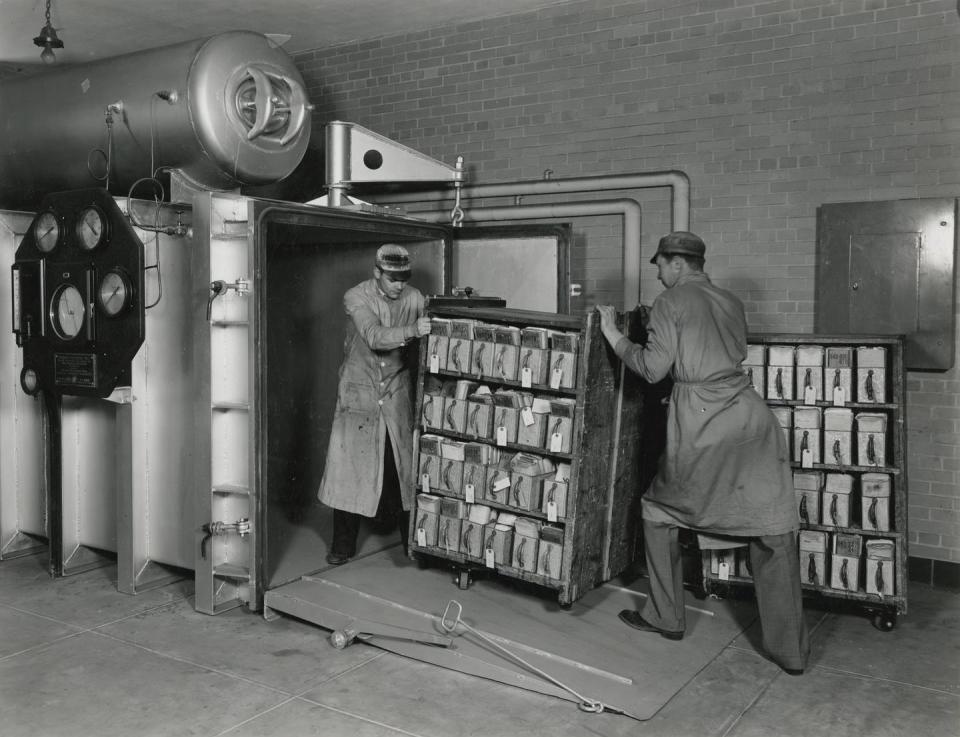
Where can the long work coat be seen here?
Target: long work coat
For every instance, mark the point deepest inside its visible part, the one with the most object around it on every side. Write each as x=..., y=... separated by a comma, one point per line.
x=725, y=468
x=374, y=400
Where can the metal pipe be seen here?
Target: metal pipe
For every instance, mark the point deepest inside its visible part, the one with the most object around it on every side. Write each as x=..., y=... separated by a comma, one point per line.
x=629, y=209
x=337, y=165
x=677, y=180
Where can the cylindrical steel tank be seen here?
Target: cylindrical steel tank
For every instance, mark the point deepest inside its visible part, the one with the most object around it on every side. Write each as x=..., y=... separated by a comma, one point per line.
x=226, y=110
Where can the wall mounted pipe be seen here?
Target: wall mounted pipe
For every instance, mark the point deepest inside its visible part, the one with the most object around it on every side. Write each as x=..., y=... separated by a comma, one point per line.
x=677, y=180
x=629, y=209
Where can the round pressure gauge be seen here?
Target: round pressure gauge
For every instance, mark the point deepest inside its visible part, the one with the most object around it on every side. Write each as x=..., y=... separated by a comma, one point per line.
x=29, y=381
x=115, y=292
x=46, y=231
x=67, y=311
x=91, y=227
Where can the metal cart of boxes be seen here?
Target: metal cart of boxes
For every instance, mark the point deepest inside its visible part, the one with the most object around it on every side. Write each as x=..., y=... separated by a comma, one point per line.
x=527, y=449
x=841, y=405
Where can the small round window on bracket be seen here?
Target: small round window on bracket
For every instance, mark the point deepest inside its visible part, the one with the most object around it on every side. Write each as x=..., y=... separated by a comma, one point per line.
x=29, y=381
x=373, y=159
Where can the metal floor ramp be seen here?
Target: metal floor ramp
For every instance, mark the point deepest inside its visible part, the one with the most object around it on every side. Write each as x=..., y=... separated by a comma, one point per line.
x=391, y=603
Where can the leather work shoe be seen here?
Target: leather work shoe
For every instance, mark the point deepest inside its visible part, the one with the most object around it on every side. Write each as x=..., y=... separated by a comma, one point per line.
x=335, y=559
x=793, y=671
x=633, y=618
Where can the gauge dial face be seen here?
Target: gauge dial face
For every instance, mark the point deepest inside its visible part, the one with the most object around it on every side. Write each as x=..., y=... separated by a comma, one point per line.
x=91, y=227
x=115, y=293
x=29, y=381
x=67, y=311
x=46, y=231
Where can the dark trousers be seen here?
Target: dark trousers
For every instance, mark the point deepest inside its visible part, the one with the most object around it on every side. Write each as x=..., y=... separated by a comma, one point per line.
x=346, y=525
x=775, y=562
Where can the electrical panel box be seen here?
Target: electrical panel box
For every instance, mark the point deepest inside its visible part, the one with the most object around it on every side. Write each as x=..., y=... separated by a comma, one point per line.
x=889, y=268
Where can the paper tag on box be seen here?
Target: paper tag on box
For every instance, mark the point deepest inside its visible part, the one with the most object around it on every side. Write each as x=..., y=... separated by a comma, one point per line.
x=501, y=484
x=556, y=378
x=556, y=443
x=421, y=537
x=839, y=396
x=526, y=378
x=551, y=511
x=470, y=493
x=425, y=483
x=526, y=414
x=723, y=570
x=488, y=558
x=501, y=435
x=434, y=363
x=806, y=459
x=809, y=395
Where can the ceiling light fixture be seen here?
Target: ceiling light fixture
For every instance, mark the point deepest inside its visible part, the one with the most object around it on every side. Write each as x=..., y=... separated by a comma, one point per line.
x=48, y=40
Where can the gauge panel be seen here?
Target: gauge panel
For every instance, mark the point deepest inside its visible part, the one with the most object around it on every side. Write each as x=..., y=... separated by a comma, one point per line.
x=77, y=285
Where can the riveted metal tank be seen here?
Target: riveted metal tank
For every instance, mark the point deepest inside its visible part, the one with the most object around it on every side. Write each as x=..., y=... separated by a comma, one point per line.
x=226, y=110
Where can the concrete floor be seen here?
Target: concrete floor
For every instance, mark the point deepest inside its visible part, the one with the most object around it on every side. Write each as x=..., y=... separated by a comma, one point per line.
x=79, y=659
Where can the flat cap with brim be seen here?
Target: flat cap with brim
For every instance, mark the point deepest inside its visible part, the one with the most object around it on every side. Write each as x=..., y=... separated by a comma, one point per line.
x=680, y=243
x=394, y=260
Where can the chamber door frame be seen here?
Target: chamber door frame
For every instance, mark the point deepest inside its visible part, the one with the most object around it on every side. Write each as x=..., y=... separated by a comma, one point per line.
x=231, y=252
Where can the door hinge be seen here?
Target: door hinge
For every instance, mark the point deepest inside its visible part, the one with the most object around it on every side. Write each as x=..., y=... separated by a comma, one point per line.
x=240, y=527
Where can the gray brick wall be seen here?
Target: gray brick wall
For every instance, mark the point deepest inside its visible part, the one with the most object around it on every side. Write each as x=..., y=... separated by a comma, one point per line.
x=771, y=108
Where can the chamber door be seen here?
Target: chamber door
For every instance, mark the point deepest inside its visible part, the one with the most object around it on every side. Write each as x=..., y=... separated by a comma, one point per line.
x=225, y=573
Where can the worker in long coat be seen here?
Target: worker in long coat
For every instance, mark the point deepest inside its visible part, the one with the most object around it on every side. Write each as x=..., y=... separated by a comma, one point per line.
x=368, y=467
x=725, y=469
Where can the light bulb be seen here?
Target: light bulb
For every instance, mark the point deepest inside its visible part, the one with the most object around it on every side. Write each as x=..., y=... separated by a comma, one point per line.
x=47, y=55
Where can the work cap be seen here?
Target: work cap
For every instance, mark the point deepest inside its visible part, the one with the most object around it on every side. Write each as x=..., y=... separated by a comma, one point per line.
x=680, y=243
x=394, y=261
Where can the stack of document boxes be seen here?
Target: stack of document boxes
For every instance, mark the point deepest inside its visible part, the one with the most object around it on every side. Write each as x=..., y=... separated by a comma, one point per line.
x=486, y=475
x=840, y=457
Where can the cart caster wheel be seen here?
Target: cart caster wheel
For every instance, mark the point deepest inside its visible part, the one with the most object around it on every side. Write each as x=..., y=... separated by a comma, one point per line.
x=717, y=592
x=885, y=621
x=463, y=580
x=566, y=607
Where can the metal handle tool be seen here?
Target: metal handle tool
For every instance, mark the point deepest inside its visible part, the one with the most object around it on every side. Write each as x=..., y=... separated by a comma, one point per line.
x=449, y=622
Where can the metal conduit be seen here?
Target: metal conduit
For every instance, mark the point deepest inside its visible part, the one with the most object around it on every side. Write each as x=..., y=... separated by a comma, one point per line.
x=629, y=209
x=677, y=180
